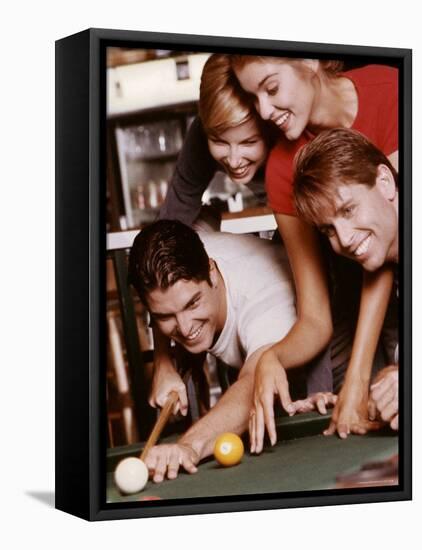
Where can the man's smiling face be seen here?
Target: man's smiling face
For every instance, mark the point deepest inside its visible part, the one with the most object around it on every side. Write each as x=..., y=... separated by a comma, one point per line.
x=363, y=223
x=189, y=312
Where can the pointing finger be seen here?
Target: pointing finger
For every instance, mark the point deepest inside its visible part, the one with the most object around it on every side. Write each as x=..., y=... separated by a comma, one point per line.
x=259, y=429
x=331, y=430
x=268, y=409
x=183, y=398
x=322, y=409
x=252, y=430
x=173, y=467
x=343, y=431
x=372, y=409
x=395, y=423
x=285, y=399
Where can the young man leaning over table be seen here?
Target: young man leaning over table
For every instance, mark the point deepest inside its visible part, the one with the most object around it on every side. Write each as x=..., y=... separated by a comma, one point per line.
x=229, y=295
x=347, y=188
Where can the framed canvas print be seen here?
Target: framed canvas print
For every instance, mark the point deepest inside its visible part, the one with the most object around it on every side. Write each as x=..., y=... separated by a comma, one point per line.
x=233, y=274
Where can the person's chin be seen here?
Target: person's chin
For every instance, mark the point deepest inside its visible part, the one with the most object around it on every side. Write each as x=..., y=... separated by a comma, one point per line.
x=197, y=346
x=244, y=180
x=292, y=134
x=372, y=263
x=297, y=126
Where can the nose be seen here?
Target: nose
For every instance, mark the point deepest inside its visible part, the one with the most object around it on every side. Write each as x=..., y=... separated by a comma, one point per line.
x=264, y=107
x=234, y=158
x=184, y=324
x=344, y=234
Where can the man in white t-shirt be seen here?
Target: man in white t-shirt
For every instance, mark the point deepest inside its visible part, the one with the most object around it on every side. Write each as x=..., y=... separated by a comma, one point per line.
x=226, y=294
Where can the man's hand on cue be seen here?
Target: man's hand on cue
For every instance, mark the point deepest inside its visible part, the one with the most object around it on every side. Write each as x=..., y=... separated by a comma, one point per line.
x=270, y=380
x=165, y=380
x=167, y=459
x=350, y=414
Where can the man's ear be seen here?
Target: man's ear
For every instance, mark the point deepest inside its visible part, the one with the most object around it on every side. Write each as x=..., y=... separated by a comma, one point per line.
x=385, y=182
x=213, y=273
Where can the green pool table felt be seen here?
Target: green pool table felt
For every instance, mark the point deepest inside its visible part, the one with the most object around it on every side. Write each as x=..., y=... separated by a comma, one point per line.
x=303, y=459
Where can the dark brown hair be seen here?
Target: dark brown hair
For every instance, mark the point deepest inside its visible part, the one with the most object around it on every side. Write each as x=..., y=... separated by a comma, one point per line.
x=335, y=157
x=164, y=253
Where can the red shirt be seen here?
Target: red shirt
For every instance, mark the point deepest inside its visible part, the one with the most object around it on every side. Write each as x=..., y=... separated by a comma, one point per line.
x=377, y=119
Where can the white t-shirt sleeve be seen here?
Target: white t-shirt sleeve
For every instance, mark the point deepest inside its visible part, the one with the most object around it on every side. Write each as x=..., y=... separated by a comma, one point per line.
x=267, y=319
x=260, y=294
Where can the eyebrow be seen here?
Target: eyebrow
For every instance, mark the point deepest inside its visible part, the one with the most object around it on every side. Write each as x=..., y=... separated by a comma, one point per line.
x=333, y=212
x=158, y=314
x=253, y=136
x=249, y=138
x=342, y=206
x=265, y=78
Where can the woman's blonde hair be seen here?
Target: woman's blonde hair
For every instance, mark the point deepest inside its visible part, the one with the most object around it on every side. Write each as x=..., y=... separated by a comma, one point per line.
x=222, y=102
x=330, y=67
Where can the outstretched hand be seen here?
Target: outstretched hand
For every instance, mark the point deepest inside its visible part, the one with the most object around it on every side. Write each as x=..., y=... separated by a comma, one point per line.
x=350, y=414
x=316, y=401
x=167, y=459
x=270, y=381
x=384, y=396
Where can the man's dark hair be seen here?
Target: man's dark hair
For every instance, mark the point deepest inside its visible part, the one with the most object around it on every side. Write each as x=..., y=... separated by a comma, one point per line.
x=164, y=253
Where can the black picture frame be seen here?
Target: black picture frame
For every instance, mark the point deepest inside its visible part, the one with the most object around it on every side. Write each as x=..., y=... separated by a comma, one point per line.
x=80, y=278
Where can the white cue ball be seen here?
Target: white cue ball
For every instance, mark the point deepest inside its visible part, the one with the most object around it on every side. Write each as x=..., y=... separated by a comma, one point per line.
x=131, y=475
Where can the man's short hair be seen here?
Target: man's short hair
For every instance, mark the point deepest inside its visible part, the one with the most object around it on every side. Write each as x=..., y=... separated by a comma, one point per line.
x=335, y=157
x=164, y=253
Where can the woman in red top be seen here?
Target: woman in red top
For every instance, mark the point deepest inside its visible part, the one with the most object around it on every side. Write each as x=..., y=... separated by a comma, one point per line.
x=302, y=97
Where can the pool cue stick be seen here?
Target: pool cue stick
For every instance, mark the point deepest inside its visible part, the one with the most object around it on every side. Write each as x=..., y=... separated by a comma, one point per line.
x=161, y=422
x=162, y=419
